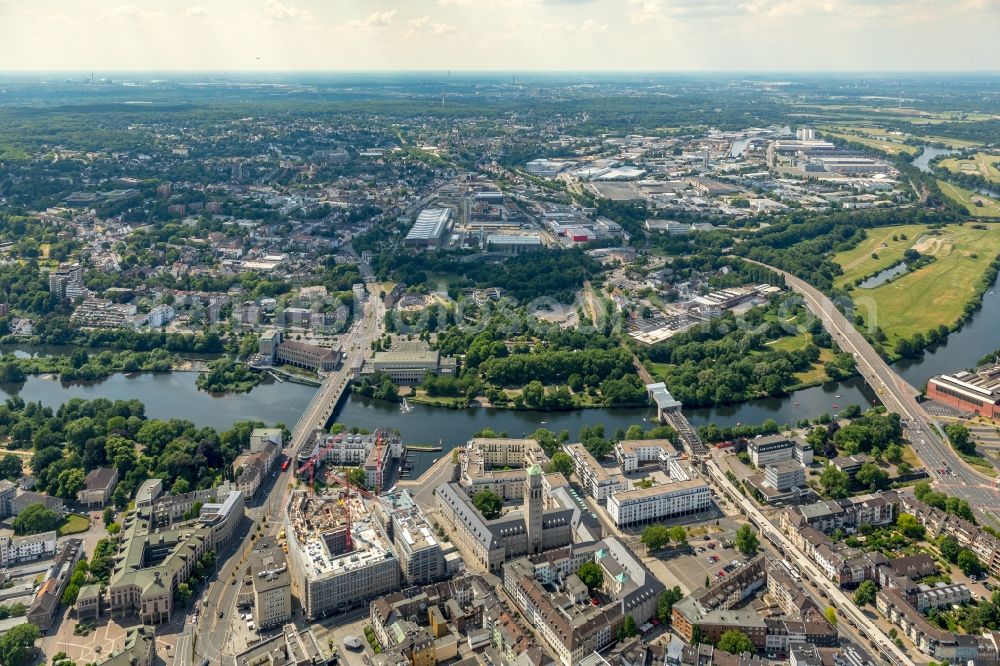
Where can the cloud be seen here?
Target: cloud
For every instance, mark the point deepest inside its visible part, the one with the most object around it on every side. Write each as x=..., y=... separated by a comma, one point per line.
x=425, y=26
x=275, y=10
x=373, y=20
x=197, y=12
x=644, y=11
x=128, y=12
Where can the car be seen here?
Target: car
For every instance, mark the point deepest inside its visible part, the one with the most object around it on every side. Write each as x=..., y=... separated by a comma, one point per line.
x=988, y=586
x=709, y=558
x=221, y=614
x=712, y=546
x=234, y=582
x=721, y=573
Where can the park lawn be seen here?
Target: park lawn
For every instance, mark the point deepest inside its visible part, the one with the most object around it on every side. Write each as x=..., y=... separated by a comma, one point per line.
x=791, y=343
x=937, y=293
x=858, y=263
x=980, y=164
x=816, y=374
x=73, y=523
x=990, y=207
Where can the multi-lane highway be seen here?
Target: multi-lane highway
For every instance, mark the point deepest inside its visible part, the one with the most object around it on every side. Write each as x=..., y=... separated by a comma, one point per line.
x=920, y=428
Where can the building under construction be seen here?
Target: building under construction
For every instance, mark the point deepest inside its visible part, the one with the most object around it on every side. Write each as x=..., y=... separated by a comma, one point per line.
x=379, y=454
x=338, y=555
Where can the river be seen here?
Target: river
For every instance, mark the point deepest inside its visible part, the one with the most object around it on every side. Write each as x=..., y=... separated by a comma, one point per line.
x=922, y=161
x=174, y=395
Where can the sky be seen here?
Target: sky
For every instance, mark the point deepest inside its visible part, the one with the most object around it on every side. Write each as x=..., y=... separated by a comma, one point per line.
x=501, y=35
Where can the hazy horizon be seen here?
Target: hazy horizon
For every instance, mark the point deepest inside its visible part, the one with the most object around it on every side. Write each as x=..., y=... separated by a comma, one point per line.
x=640, y=36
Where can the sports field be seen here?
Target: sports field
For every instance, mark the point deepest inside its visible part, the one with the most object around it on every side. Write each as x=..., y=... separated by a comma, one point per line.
x=888, y=243
x=936, y=293
x=978, y=205
x=979, y=164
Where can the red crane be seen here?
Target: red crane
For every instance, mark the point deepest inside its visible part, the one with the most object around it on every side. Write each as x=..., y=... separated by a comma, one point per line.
x=314, y=462
x=378, y=461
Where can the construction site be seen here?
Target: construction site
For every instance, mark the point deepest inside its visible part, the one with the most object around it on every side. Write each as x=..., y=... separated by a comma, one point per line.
x=338, y=555
x=379, y=455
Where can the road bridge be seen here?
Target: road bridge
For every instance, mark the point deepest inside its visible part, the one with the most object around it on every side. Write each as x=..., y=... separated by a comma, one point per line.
x=919, y=427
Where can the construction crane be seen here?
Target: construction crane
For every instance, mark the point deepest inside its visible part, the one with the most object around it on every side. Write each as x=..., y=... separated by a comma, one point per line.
x=378, y=461
x=314, y=462
x=349, y=540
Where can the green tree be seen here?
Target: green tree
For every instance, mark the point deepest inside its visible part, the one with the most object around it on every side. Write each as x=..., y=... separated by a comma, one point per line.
x=489, y=504
x=949, y=547
x=831, y=615
x=108, y=516
x=960, y=438
x=909, y=527
x=356, y=477
x=561, y=463
x=735, y=642
x=665, y=605
x=655, y=537
x=894, y=454
x=628, y=628
x=36, y=518
x=969, y=563
x=180, y=486
x=873, y=476
x=678, y=534
x=746, y=540
x=834, y=481
x=17, y=646
x=865, y=594
x=533, y=393
x=592, y=575
x=69, y=482
x=11, y=467
x=182, y=594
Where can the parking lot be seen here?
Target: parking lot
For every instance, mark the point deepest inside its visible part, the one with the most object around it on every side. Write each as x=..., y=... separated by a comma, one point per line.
x=706, y=554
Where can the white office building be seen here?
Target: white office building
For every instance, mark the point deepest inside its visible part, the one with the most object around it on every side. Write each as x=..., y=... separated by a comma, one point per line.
x=666, y=501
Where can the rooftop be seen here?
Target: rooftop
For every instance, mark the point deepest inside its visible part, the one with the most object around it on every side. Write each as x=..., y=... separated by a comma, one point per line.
x=430, y=224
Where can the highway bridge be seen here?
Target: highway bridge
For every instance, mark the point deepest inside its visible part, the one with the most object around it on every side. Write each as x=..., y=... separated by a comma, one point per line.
x=921, y=429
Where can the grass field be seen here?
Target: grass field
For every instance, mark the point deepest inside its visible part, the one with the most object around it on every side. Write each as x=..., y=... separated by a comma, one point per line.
x=937, y=293
x=814, y=375
x=858, y=262
x=960, y=144
x=73, y=523
x=990, y=207
x=981, y=164
x=886, y=146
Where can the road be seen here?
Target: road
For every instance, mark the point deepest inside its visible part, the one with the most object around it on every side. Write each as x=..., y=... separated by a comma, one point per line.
x=921, y=429
x=208, y=638
x=356, y=345
x=849, y=634
x=845, y=607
